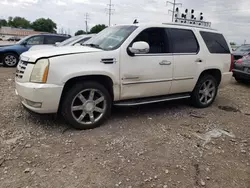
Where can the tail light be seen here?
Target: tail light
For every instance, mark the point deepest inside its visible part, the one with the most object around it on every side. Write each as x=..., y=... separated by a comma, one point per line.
x=232, y=63
x=239, y=61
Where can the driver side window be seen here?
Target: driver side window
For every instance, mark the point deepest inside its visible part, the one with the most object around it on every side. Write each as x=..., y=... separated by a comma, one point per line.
x=156, y=38
x=36, y=40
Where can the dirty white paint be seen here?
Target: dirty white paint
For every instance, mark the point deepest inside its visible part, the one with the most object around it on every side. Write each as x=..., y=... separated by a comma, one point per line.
x=215, y=133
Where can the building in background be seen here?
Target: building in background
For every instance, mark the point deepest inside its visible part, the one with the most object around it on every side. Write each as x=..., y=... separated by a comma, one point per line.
x=7, y=32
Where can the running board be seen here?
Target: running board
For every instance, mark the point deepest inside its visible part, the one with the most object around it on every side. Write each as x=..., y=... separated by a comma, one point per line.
x=135, y=102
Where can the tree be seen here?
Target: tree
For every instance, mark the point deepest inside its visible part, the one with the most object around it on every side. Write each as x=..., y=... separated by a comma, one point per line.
x=19, y=22
x=97, y=28
x=232, y=43
x=3, y=22
x=80, y=32
x=46, y=25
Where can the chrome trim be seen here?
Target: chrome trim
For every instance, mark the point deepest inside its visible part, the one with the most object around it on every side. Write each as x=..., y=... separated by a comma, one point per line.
x=146, y=82
x=153, y=101
x=184, y=78
x=158, y=54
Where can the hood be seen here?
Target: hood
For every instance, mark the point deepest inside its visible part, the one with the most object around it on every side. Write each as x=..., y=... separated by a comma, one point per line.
x=32, y=56
x=7, y=45
x=41, y=47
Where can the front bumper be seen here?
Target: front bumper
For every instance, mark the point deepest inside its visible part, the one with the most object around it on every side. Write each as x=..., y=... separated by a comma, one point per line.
x=39, y=98
x=241, y=74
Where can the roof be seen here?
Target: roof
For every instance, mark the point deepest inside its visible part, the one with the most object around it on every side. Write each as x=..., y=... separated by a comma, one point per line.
x=171, y=24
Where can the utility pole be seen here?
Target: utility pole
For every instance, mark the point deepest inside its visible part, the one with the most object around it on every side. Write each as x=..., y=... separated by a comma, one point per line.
x=174, y=5
x=86, y=21
x=110, y=11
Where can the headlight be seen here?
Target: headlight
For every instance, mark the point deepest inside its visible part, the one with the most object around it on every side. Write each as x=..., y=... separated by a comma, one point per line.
x=40, y=71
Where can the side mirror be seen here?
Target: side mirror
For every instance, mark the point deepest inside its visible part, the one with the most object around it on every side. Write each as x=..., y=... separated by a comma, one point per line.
x=77, y=44
x=139, y=48
x=24, y=43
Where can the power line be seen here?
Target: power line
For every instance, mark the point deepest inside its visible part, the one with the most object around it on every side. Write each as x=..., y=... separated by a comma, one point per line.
x=110, y=10
x=86, y=21
x=174, y=5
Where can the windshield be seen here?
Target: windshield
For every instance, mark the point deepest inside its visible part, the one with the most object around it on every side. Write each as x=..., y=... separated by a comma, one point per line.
x=243, y=49
x=22, y=40
x=111, y=38
x=70, y=40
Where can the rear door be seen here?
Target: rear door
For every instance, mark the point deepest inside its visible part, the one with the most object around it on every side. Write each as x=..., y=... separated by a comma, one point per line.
x=187, y=57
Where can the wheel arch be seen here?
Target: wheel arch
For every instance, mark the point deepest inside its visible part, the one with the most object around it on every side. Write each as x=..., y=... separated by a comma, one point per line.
x=99, y=78
x=215, y=72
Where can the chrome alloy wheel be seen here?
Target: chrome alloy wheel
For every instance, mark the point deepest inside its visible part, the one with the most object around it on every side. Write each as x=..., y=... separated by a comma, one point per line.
x=88, y=106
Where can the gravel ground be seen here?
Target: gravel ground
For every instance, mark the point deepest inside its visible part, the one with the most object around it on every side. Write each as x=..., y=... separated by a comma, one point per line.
x=162, y=145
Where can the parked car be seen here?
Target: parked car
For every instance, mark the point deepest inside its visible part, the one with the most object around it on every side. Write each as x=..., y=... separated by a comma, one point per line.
x=14, y=39
x=241, y=69
x=125, y=65
x=241, y=51
x=9, y=54
x=69, y=42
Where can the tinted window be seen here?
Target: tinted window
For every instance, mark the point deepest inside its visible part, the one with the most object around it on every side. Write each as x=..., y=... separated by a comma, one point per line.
x=183, y=41
x=156, y=38
x=215, y=42
x=35, y=40
x=53, y=39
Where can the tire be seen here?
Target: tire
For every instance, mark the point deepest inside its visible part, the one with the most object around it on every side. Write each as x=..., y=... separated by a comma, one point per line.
x=200, y=90
x=10, y=60
x=80, y=97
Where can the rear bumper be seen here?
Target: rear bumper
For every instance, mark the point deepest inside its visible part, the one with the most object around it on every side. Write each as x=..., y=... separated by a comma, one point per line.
x=225, y=79
x=39, y=98
x=241, y=74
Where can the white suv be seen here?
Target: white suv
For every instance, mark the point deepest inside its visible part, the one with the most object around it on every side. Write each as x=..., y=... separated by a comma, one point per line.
x=125, y=65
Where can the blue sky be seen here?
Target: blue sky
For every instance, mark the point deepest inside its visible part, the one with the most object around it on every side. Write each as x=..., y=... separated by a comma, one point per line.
x=229, y=16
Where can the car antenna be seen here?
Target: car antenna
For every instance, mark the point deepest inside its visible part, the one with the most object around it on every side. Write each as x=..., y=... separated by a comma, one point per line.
x=135, y=21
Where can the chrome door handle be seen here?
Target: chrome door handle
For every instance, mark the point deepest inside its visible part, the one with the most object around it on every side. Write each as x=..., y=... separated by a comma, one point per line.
x=164, y=62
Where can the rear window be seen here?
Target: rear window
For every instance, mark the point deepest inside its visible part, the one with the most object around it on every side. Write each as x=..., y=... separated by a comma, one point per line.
x=53, y=39
x=183, y=41
x=215, y=42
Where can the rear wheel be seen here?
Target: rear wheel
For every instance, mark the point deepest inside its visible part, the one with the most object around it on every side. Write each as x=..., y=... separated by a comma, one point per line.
x=205, y=91
x=87, y=105
x=10, y=60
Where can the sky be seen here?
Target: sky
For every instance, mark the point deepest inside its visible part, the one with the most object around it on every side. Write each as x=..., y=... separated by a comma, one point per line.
x=232, y=17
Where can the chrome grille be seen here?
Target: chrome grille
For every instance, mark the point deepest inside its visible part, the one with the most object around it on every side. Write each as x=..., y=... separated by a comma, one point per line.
x=21, y=69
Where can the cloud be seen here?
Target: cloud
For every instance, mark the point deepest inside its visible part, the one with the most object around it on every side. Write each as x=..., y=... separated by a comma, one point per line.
x=226, y=15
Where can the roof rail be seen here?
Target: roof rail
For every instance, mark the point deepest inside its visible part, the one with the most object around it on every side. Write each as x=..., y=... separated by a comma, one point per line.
x=189, y=25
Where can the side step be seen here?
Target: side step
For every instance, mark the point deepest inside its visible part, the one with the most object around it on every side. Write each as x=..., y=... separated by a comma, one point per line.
x=149, y=100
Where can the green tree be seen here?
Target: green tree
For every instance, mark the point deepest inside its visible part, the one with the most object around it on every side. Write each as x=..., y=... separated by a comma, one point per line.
x=46, y=25
x=97, y=28
x=80, y=32
x=3, y=22
x=10, y=21
x=19, y=22
x=232, y=43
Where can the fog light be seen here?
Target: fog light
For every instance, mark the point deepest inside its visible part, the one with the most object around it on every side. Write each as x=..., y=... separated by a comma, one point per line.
x=33, y=104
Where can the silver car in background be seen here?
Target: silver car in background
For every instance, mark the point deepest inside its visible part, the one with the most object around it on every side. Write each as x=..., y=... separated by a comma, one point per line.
x=76, y=40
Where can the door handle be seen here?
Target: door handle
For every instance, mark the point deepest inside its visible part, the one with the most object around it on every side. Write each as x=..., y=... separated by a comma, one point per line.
x=198, y=60
x=164, y=62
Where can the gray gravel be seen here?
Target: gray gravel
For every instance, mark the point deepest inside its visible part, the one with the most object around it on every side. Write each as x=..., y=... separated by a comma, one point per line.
x=148, y=146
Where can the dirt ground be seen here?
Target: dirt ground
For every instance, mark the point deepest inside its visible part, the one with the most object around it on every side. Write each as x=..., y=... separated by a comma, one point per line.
x=161, y=145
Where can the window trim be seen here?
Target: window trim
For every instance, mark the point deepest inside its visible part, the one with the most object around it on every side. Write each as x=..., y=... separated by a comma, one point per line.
x=182, y=53
x=166, y=40
x=217, y=41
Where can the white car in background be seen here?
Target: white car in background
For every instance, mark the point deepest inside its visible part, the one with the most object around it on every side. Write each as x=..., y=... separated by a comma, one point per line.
x=69, y=42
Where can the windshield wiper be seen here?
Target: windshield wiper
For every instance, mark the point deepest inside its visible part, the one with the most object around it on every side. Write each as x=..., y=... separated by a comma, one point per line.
x=92, y=45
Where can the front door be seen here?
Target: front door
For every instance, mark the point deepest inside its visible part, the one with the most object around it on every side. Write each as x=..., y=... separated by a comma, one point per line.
x=146, y=75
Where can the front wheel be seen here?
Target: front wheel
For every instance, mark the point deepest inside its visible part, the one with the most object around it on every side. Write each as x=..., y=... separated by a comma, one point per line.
x=10, y=60
x=87, y=105
x=204, y=92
